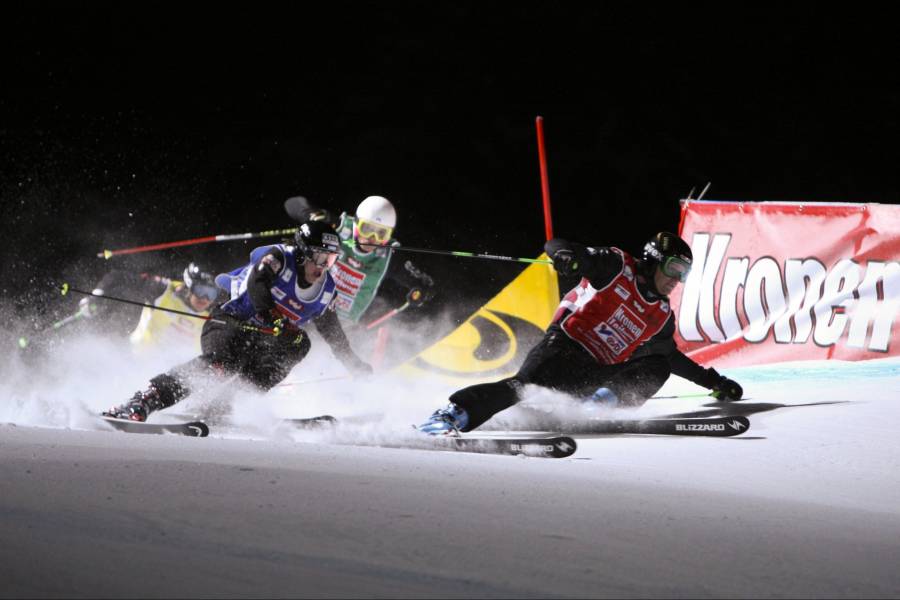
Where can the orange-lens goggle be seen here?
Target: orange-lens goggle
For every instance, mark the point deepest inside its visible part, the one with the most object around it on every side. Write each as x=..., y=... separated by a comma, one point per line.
x=368, y=229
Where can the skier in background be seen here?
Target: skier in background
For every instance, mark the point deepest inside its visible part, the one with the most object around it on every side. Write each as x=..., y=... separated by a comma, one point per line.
x=194, y=294
x=258, y=333
x=147, y=329
x=610, y=342
x=370, y=280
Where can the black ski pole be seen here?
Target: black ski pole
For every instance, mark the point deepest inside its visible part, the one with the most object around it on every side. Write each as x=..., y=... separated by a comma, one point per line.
x=543, y=261
x=66, y=288
x=24, y=341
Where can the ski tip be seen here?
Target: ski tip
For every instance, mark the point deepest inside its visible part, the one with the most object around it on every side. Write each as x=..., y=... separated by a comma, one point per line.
x=555, y=447
x=565, y=446
x=197, y=428
x=738, y=423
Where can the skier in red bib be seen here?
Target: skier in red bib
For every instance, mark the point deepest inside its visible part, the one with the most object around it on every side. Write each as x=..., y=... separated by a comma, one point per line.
x=610, y=341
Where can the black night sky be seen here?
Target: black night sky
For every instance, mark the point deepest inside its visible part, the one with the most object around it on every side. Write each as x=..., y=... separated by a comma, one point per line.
x=127, y=124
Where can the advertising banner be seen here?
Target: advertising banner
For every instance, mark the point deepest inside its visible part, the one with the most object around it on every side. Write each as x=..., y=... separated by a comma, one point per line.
x=493, y=342
x=776, y=282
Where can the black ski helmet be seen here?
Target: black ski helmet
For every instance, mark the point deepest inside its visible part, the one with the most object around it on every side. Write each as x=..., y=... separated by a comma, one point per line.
x=663, y=248
x=316, y=236
x=199, y=282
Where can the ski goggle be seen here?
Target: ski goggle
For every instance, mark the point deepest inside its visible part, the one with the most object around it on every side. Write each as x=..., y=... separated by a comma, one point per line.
x=675, y=268
x=323, y=259
x=368, y=229
x=205, y=291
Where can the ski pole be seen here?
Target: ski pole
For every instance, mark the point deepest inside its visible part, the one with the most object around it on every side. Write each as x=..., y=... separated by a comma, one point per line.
x=414, y=295
x=81, y=314
x=66, y=288
x=107, y=254
x=388, y=315
x=676, y=396
x=24, y=341
x=308, y=381
x=486, y=256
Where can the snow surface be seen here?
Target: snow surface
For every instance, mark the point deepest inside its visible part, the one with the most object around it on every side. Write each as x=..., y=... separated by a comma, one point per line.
x=805, y=504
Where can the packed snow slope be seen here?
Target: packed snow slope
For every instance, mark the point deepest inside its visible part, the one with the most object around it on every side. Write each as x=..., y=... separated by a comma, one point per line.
x=805, y=504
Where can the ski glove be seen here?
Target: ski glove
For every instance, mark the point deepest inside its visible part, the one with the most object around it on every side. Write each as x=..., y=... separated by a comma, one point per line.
x=279, y=324
x=326, y=216
x=727, y=390
x=270, y=318
x=565, y=262
x=419, y=296
x=87, y=308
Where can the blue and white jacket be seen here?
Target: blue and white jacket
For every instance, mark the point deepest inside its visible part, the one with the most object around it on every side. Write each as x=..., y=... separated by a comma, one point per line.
x=298, y=305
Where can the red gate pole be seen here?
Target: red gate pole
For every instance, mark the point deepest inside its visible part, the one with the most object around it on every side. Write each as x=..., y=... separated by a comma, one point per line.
x=545, y=183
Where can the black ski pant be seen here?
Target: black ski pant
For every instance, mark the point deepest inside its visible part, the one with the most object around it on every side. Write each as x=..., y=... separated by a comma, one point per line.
x=559, y=363
x=263, y=360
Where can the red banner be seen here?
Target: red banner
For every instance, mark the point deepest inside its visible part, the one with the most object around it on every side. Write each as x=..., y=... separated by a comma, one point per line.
x=776, y=282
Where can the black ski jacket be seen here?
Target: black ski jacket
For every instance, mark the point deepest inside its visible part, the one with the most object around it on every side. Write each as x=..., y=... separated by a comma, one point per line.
x=600, y=266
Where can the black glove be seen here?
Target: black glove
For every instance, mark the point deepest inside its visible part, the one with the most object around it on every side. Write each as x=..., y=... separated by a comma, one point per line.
x=326, y=216
x=565, y=262
x=727, y=390
x=301, y=210
x=419, y=296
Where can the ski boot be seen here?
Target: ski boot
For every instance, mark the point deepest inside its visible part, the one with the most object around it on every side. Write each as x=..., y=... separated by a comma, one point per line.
x=445, y=421
x=603, y=398
x=138, y=408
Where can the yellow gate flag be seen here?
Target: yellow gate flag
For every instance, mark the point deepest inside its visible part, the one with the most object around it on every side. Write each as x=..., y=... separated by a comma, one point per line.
x=493, y=342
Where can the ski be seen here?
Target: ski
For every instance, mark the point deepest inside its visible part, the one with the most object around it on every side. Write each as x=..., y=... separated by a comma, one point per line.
x=554, y=446
x=710, y=426
x=312, y=422
x=549, y=447
x=192, y=429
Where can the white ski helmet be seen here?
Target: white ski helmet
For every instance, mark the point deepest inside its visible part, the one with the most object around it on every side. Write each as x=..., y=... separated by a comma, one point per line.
x=377, y=209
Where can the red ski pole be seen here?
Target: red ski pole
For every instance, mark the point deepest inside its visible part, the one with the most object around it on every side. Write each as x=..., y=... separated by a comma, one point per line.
x=107, y=254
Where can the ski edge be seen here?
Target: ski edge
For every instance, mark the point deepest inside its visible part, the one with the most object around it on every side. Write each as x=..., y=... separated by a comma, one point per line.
x=688, y=426
x=321, y=421
x=189, y=429
x=558, y=446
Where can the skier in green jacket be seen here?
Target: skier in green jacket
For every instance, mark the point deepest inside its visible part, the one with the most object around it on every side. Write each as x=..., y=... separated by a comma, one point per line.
x=367, y=268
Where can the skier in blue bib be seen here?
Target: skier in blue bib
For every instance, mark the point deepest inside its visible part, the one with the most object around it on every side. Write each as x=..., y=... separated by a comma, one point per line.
x=369, y=280
x=258, y=333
